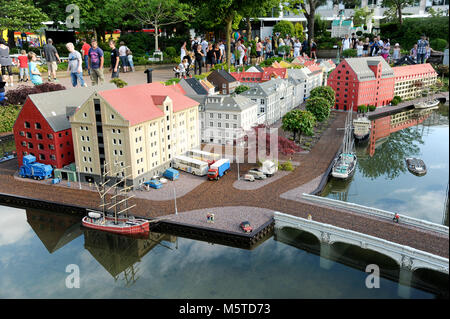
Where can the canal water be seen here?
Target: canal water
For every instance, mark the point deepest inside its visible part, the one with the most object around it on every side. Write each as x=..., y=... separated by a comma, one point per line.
x=382, y=179
x=41, y=254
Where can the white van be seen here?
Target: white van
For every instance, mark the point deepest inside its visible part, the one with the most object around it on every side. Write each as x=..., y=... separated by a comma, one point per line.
x=257, y=174
x=249, y=177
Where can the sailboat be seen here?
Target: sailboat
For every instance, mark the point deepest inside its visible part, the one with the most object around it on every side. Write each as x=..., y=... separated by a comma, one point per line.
x=427, y=104
x=115, y=218
x=345, y=164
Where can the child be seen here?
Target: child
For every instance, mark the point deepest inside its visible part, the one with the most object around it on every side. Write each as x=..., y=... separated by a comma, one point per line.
x=396, y=52
x=359, y=49
x=35, y=75
x=177, y=71
x=130, y=59
x=23, y=66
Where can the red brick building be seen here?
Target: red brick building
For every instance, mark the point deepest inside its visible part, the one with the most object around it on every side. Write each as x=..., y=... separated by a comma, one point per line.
x=42, y=128
x=358, y=81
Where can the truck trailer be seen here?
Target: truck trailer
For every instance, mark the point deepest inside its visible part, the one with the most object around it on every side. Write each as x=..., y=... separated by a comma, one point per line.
x=218, y=169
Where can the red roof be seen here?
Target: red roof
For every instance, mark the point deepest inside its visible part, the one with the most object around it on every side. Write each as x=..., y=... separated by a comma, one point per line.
x=139, y=103
x=177, y=88
x=269, y=72
x=246, y=75
x=314, y=68
x=413, y=70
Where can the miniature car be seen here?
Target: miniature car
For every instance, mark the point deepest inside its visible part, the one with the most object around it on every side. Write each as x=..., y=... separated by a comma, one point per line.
x=257, y=174
x=160, y=178
x=245, y=226
x=153, y=184
x=249, y=177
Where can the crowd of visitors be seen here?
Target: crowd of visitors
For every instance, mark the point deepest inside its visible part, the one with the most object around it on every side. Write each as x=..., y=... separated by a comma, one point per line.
x=382, y=47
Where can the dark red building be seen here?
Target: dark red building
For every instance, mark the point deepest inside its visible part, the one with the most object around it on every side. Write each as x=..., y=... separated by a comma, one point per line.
x=362, y=81
x=42, y=127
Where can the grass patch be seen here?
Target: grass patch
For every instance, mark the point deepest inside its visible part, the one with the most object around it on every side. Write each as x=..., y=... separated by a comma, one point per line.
x=8, y=116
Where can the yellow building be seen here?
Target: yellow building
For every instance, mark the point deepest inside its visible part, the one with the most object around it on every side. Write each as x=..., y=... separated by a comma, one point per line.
x=139, y=127
x=411, y=80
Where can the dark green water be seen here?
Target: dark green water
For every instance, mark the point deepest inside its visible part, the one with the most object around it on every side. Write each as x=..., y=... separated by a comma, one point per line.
x=383, y=181
x=37, y=246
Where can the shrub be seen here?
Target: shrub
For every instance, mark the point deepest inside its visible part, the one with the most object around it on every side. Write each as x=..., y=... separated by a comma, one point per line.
x=397, y=99
x=19, y=95
x=371, y=108
x=438, y=44
x=441, y=69
x=171, y=52
x=362, y=108
x=118, y=82
x=349, y=53
x=319, y=107
x=8, y=116
x=241, y=88
x=285, y=28
x=326, y=92
x=287, y=166
x=172, y=81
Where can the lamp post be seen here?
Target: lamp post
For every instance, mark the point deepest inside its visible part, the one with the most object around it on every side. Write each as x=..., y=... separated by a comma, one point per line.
x=79, y=179
x=237, y=161
x=175, y=198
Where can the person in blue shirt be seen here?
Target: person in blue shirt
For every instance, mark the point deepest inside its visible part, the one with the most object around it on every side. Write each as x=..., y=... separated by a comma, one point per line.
x=35, y=75
x=96, y=59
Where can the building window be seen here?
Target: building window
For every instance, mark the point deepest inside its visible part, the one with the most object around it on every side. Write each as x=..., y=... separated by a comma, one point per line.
x=27, y=124
x=37, y=125
x=50, y=136
x=41, y=156
x=40, y=146
x=30, y=145
x=51, y=146
x=112, y=116
x=39, y=136
x=29, y=135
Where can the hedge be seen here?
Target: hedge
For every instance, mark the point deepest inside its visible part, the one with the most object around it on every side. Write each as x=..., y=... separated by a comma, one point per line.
x=8, y=116
x=408, y=33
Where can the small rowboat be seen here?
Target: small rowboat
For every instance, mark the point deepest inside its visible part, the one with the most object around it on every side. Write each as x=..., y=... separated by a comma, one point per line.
x=416, y=166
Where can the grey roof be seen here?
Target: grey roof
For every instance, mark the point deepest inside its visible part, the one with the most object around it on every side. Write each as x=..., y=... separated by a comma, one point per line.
x=192, y=86
x=255, y=68
x=255, y=90
x=228, y=103
x=52, y=105
x=361, y=67
x=227, y=76
x=266, y=88
x=297, y=74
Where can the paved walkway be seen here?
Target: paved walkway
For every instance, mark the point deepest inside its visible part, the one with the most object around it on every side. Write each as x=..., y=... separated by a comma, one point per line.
x=223, y=194
x=160, y=73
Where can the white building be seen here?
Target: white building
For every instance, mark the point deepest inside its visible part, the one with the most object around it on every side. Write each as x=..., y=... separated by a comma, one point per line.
x=311, y=78
x=225, y=118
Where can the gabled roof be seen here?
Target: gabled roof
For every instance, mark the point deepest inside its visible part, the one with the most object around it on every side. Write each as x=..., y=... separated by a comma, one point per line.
x=412, y=70
x=206, y=84
x=192, y=86
x=255, y=68
x=52, y=105
x=362, y=70
x=228, y=103
x=223, y=74
x=139, y=103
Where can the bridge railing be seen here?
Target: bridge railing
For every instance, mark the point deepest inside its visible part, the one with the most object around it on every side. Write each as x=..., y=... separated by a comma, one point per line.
x=376, y=212
x=419, y=258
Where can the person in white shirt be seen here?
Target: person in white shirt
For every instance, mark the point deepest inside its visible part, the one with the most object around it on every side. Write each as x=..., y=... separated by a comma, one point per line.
x=183, y=51
x=204, y=45
x=222, y=50
x=359, y=48
x=297, y=48
x=123, y=56
x=346, y=43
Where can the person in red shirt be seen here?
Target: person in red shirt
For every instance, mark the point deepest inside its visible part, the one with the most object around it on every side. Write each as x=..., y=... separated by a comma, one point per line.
x=396, y=218
x=23, y=66
x=85, y=53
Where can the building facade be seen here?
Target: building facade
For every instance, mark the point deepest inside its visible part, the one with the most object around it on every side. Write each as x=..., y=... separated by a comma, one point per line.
x=42, y=128
x=139, y=127
x=411, y=80
x=362, y=81
x=224, y=118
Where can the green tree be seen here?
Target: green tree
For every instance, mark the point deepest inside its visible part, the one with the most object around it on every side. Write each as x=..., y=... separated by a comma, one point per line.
x=319, y=107
x=284, y=28
x=326, y=92
x=19, y=15
x=308, y=8
x=362, y=16
x=398, y=6
x=254, y=11
x=158, y=13
x=299, y=31
x=299, y=122
x=241, y=88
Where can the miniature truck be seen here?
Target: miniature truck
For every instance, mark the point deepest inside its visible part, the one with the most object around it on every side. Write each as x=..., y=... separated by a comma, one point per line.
x=269, y=168
x=171, y=174
x=32, y=169
x=218, y=169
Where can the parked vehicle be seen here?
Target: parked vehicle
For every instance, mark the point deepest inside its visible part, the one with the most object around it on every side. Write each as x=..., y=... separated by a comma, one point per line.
x=153, y=184
x=33, y=169
x=245, y=226
x=171, y=174
x=159, y=178
x=218, y=169
x=190, y=165
x=208, y=157
x=257, y=173
x=249, y=177
x=56, y=181
x=269, y=168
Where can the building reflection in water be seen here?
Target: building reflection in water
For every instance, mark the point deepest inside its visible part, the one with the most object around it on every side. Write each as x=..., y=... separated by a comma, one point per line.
x=55, y=230
x=119, y=254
